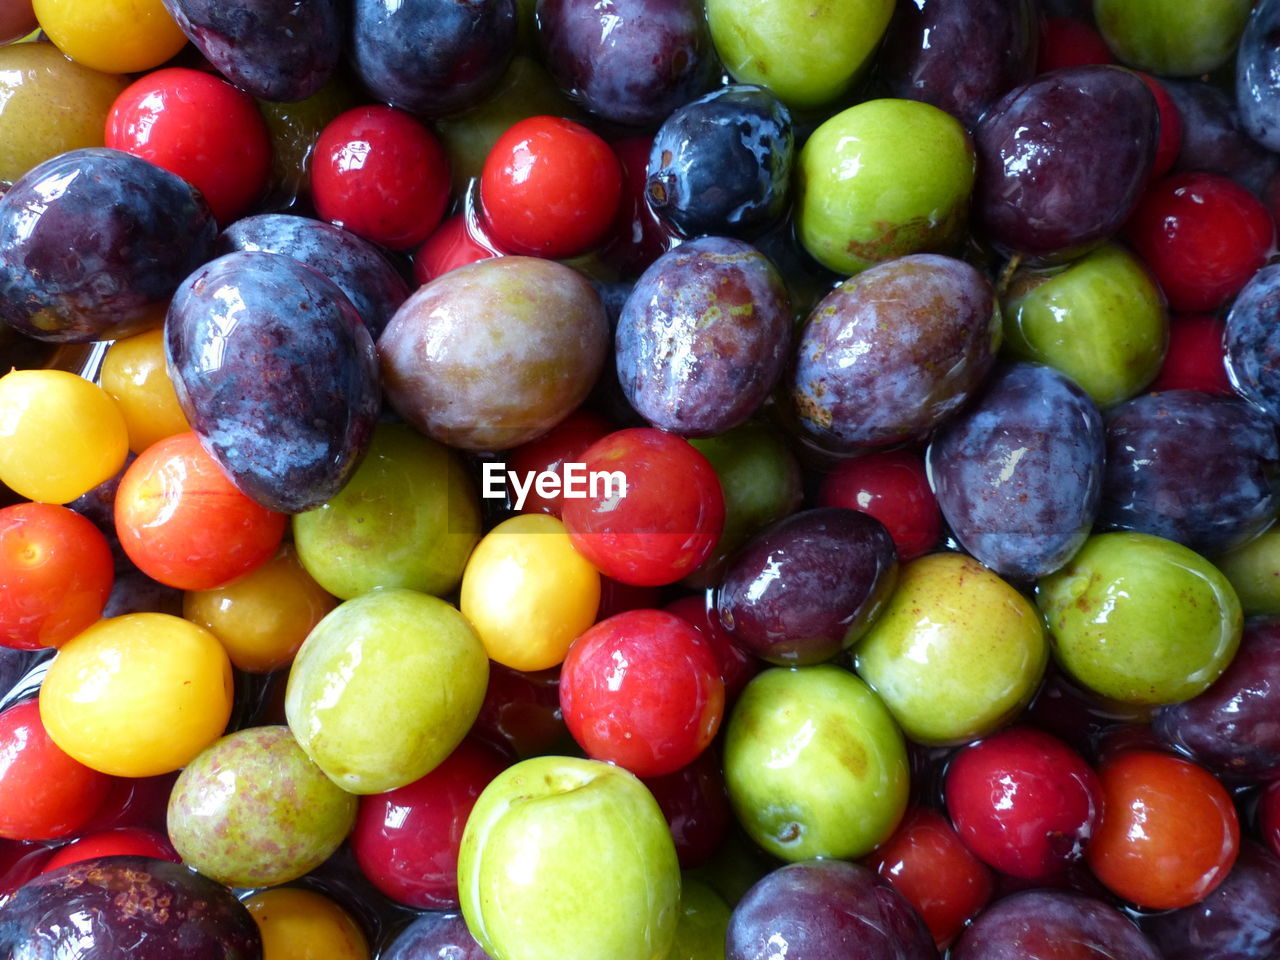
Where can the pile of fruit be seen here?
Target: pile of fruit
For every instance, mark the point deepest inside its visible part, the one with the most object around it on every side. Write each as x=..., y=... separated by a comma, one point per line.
x=639, y=480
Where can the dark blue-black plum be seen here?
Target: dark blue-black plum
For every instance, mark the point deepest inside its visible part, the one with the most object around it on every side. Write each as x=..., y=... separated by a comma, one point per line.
x=1018, y=474
x=722, y=164
x=809, y=586
x=1258, y=75
x=1212, y=138
x=93, y=243
x=277, y=374
x=1192, y=467
x=432, y=57
x=357, y=267
x=1252, y=339
x=629, y=61
x=959, y=55
x=279, y=50
x=1063, y=161
x=825, y=910
x=703, y=337
x=435, y=936
x=1052, y=924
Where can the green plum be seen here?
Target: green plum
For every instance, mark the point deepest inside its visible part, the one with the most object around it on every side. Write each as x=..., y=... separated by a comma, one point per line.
x=1175, y=38
x=409, y=517
x=881, y=180
x=569, y=859
x=227, y=819
x=1100, y=320
x=1254, y=571
x=814, y=764
x=806, y=52
x=956, y=654
x=1141, y=619
x=385, y=687
x=295, y=127
x=704, y=921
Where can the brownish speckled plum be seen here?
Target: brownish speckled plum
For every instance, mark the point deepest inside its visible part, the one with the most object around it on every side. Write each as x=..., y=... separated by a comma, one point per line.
x=254, y=811
x=703, y=337
x=894, y=351
x=495, y=353
x=131, y=907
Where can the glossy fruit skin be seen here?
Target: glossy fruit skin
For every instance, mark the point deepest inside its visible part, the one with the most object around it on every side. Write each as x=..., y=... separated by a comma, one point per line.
x=550, y=188
x=1203, y=236
x=926, y=861
x=893, y=487
x=1018, y=474
x=1239, y=920
x=703, y=337
x=1052, y=925
x=695, y=803
x=860, y=380
x=521, y=713
x=1256, y=91
x=44, y=793
x=56, y=573
x=226, y=819
x=1233, y=727
x=273, y=49
x=668, y=522
x=883, y=179
x=17, y=21
x=1169, y=38
x=563, y=443
x=165, y=512
x=1047, y=189
x=1124, y=595
x=1024, y=802
x=1197, y=469
x=737, y=666
x=978, y=650
x=136, y=230
x=808, y=587
x=642, y=690
x=385, y=650
x=138, y=695
x=136, y=376
x=814, y=764
x=142, y=34
x=1169, y=833
x=633, y=62
x=277, y=375
x=1069, y=41
x=721, y=164
x=432, y=57
x=536, y=324
x=435, y=935
x=303, y=925
x=116, y=842
x=1269, y=818
x=357, y=267
x=199, y=127
x=1213, y=138
x=823, y=910
x=164, y=910
x=1253, y=343
x=528, y=593
x=1196, y=358
x=37, y=120
x=406, y=840
x=519, y=869
x=932, y=54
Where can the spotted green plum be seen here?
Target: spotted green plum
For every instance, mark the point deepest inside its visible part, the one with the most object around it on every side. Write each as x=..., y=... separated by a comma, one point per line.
x=253, y=811
x=1141, y=619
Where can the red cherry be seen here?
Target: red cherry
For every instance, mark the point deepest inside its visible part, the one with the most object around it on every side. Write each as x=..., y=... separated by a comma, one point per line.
x=406, y=840
x=1203, y=236
x=1195, y=359
x=1170, y=144
x=893, y=487
x=451, y=245
x=1024, y=802
x=381, y=174
x=121, y=841
x=1068, y=42
x=549, y=188
x=737, y=666
x=200, y=127
x=564, y=443
x=43, y=792
x=927, y=863
x=642, y=690
x=696, y=805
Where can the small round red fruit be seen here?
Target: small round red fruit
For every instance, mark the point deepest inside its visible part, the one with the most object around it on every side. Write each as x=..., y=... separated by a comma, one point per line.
x=382, y=175
x=642, y=690
x=1170, y=143
x=550, y=188
x=119, y=842
x=56, y=572
x=737, y=666
x=1024, y=802
x=661, y=522
x=451, y=245
x=1195, y=358
x=200, y=127
x=565, y=442
x=696, y=805
x=893, y=487
x=1068, y=42
x=1169, y=832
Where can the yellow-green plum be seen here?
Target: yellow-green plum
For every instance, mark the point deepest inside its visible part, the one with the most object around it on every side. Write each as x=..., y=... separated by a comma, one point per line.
x=883, y=179
x=814, y=764
x=704, y=920
x=569, y=859
x=384, y=688
x=1141, y=619
x=1254, y=572
x=956, y=654
x=1175, y=38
